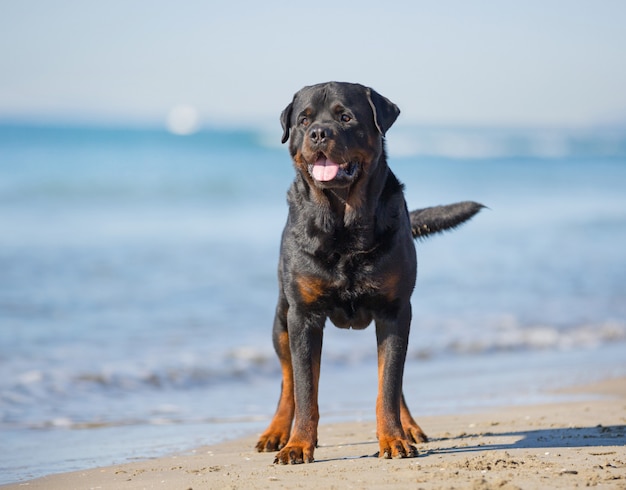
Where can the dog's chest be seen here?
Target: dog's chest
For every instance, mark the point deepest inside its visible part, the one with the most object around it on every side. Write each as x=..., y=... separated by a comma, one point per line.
x=348, y=289
x=348, y=273
x=351, y=302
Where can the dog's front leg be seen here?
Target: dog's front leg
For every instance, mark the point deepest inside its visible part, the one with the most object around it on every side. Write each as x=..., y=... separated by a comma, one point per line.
x=305, y=340
x=392, y=335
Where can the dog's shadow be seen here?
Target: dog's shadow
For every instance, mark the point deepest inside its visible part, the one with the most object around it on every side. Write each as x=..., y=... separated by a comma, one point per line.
x=574, y=437
x=597, y=436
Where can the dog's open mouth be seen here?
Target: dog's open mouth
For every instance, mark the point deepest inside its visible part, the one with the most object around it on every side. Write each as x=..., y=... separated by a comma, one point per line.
x=325, y=170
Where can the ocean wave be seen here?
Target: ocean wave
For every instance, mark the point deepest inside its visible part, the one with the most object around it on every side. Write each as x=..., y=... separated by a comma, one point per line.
x=473, y=144
x=247, y=363
x=510, y=337
x=70, y=423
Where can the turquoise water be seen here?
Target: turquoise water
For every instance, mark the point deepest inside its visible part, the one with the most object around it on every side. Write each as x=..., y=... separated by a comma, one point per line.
x=137, y=283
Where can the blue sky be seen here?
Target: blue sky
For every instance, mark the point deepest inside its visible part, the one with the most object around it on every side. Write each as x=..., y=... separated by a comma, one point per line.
x=547, y=63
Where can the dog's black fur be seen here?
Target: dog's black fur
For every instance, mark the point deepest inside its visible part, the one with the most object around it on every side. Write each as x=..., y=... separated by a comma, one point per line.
x=346, y=254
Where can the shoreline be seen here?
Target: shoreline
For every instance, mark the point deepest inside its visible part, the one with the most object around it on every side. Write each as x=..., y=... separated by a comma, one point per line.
x=556, y=445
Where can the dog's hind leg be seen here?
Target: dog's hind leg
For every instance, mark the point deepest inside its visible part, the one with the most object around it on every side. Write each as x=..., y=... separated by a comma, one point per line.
x=413, y=431
x=277, y=434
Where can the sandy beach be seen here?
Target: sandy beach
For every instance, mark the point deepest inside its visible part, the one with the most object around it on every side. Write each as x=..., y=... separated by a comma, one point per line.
x=568, y=444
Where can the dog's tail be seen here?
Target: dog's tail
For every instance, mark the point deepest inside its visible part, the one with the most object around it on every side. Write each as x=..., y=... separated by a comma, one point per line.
x=436, y=219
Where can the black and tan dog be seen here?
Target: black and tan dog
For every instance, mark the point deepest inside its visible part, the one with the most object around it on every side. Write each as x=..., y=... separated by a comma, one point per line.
x=346, y=254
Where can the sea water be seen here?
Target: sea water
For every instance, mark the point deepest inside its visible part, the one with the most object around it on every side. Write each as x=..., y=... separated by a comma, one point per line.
x=138, y=284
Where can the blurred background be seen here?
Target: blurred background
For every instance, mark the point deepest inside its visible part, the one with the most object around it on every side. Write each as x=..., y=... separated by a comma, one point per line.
x=142, y=197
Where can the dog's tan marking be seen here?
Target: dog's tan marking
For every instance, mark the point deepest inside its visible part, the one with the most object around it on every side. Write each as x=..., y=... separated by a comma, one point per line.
x=310, y=288
x=389, y=285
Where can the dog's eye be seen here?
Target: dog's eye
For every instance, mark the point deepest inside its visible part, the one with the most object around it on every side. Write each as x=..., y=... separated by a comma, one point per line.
x=304, y=121
x=345, y=118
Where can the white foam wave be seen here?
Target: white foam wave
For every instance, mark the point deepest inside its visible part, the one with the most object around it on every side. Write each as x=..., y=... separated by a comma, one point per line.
x=246, y=363
x=511, y=337
x=467, y=143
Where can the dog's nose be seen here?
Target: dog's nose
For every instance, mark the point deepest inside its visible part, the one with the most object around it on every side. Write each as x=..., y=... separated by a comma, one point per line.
x=320, y=134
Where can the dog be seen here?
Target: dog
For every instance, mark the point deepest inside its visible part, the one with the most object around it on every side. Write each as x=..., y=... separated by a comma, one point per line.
x=346, y=254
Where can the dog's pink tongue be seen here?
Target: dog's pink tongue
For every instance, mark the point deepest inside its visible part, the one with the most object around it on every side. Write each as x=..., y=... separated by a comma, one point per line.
x=325, y=170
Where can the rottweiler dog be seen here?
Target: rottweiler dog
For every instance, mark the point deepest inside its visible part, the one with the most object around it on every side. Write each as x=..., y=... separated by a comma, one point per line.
x=347, y=254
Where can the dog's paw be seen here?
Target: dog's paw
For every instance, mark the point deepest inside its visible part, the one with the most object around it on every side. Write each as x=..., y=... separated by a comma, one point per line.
x=295, y=454
x=272, y=441
x=415, y=434
x=396, y=448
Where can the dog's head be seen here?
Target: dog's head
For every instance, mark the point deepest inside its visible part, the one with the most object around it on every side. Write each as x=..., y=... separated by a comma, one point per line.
x=336, y=130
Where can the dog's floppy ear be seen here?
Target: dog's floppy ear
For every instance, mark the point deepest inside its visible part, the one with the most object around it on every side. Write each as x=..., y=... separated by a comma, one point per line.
x=285, y=121
x=385, y=111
